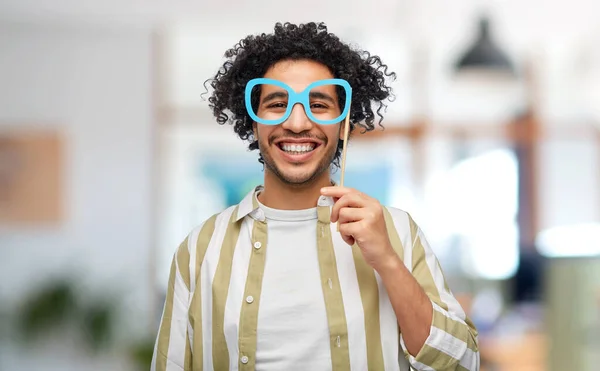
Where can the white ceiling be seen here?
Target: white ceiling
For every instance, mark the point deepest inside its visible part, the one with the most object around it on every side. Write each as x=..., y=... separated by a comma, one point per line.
x=520, y=21
x=214, y=12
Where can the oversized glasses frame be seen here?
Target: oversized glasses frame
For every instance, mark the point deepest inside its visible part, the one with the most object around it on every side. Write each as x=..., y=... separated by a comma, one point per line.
x=294, y=97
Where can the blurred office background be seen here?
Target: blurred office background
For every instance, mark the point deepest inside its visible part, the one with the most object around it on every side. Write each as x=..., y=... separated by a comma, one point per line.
x=109, y=156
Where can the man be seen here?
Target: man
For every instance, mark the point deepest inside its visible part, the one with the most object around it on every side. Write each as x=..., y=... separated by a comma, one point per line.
x=270, y=283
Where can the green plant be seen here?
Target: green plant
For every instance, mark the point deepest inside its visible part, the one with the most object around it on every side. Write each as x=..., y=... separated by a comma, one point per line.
x=56, y=306
x=48, y=308
x=141, y=353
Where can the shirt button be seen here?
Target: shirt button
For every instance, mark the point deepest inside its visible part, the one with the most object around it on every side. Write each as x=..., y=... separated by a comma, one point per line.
x=244, y=359
x=257, y=245
x=249, y=299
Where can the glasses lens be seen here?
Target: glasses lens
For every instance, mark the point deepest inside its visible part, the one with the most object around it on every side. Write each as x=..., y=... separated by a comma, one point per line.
x=326, y=103
x=269, y=101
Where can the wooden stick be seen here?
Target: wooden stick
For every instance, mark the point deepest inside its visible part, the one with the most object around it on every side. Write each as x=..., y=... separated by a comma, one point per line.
x=344, y=146
x=346, y=130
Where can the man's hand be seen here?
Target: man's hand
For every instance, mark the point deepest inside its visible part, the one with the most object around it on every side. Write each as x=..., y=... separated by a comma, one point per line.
x=361, y=220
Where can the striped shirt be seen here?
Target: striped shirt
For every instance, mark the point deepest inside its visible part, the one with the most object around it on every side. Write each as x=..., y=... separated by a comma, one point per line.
x=210, y=316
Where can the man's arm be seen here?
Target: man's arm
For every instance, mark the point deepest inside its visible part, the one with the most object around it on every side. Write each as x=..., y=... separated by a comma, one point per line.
x=172, y=347
x=435, y=332
x=412, y=306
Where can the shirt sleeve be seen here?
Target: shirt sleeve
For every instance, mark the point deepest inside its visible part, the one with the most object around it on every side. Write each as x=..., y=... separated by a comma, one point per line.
x=172, y=347
x=452, y=344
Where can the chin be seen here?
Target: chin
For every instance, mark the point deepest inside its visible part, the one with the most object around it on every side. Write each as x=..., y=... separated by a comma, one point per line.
x=296, y=176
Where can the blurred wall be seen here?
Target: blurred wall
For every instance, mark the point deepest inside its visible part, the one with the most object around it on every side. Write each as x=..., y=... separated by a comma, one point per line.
x=95, y=85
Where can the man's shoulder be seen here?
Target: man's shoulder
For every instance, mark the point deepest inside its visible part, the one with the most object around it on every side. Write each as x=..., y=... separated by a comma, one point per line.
x=401, y=218
x=402, y=223
x=216, y=221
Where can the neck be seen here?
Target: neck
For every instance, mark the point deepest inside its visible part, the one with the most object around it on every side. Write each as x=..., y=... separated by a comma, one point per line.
x=279, y=195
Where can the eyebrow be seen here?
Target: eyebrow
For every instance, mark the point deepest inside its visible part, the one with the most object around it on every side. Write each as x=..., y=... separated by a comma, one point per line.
x=319, y=95
x=274, y=95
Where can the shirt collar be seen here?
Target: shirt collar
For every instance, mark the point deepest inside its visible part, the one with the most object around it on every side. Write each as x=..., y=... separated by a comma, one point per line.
x=249, y=204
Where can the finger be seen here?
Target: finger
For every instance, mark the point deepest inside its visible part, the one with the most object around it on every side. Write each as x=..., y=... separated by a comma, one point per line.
x=349, y=200
x=349, y=231
x=347, y=237
x=336, y=191
x=350, y=214
x=349, y=240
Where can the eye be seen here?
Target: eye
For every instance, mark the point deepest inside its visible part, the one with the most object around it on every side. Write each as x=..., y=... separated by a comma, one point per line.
x=277, y=105
x=318, y=106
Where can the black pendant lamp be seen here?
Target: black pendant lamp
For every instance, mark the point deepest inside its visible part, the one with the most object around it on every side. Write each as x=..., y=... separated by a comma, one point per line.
x=484, y=54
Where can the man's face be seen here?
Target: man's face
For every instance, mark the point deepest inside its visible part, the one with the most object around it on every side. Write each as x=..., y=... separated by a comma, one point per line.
x=298, y=150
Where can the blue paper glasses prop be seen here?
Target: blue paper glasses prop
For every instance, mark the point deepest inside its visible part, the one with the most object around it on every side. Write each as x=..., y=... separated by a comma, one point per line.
x=318, y=99
x=276, y=99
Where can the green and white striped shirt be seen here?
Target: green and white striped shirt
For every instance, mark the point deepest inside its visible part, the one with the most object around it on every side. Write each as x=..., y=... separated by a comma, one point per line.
x=210, y=319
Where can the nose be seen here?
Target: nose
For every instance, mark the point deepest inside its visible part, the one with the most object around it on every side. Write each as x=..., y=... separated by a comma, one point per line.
x=298, y=121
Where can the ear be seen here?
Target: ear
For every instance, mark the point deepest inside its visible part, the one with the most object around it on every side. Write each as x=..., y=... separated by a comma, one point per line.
x=341, y=131
x=254, y=130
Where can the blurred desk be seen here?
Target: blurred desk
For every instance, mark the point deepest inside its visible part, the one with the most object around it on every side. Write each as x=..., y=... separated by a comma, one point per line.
x=526, y=352
x=573, y=313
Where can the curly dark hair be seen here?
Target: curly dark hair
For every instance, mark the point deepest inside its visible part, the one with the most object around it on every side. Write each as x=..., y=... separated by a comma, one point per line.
x=254, y=55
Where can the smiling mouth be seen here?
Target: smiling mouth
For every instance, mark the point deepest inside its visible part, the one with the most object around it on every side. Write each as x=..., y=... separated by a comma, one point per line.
x=297, y=148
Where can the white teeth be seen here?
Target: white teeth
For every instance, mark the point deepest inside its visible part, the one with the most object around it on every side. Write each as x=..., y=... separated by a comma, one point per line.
x=298, y=147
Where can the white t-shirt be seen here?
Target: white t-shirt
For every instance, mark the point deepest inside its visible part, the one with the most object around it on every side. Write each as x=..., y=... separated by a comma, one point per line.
x=292, y=331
